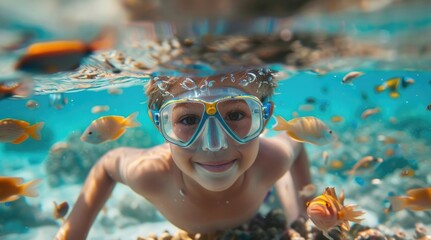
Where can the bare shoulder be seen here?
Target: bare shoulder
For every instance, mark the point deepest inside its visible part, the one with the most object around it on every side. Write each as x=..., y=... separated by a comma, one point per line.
x=143, y=170
x=277, y=154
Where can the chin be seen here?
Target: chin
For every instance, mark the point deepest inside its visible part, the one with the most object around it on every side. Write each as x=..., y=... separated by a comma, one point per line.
x=217, y=181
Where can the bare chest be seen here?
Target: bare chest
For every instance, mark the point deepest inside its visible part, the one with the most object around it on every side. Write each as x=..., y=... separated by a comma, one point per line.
x=209, y=215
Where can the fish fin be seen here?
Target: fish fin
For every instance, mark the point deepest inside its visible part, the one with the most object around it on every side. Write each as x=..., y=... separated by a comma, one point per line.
x=331, y=192
x=349, y=213
x=394, y=94
x=280, y=124
x=131, y=121
x=341, y=197
x=10, y=199
x=393, y=83
x=294, y=136
x=21, y=139
x=118, y=134
x=34, y=130
x=399, y=203
x=345, y=225
x=29, y=188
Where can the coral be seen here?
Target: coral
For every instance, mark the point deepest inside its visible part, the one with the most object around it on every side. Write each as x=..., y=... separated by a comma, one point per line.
x=18, y=216
x=70, y=161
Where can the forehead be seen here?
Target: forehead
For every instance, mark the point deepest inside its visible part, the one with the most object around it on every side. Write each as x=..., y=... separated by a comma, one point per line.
x=243, y=81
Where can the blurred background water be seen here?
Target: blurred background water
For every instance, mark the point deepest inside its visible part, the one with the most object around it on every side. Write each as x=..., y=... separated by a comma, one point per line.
x=312, y=45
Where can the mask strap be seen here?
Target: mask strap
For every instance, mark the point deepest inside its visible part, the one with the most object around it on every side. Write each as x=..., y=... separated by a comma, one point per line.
x=155, y=116
x=267, y=108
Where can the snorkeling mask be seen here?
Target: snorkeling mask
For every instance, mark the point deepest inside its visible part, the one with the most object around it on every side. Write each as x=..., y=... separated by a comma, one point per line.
x=211, y=115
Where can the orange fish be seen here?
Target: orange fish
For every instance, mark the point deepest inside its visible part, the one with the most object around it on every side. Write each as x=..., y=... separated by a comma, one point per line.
x=108, y=128
x=336, y=119
x=417, y=199
x=336, y=164
x=12, y=188
x=17, y=131
x=327, y=212
x=57, y=56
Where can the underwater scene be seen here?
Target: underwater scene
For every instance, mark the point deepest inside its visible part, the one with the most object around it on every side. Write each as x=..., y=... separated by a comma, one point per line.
x=358, y=69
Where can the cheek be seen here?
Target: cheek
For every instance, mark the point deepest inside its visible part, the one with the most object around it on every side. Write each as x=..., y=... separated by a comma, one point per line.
x=181, y=156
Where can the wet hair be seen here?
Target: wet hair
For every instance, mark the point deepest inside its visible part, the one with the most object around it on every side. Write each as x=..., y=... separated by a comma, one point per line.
x=158, y=88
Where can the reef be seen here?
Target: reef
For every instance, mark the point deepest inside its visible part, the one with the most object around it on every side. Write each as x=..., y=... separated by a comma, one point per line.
x=70, y=161
x=18, y=216
x=273, y=226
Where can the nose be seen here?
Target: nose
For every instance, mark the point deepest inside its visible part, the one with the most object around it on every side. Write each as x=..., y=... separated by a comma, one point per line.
x=214, y=137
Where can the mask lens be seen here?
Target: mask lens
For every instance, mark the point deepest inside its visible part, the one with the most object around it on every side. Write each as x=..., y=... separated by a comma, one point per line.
x=180, y=121
x=242, y=116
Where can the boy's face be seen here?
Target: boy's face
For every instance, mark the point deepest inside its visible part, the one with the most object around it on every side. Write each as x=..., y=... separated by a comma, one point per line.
x=216, y=169
x=219, y=170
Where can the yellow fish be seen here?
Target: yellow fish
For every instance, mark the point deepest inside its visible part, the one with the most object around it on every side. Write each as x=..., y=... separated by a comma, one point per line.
x=305, y=129
x=108, y=128
x=17, y=131
x=327, y=212
x=12, y=188
x=393, y=85
x=417, y=199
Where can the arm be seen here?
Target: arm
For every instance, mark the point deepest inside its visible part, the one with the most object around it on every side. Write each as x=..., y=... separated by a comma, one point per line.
x=300, y=173
x=96, y=190
x=295, y=179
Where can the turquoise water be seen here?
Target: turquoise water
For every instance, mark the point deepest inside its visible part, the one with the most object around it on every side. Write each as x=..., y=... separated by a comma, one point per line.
x=401, y=29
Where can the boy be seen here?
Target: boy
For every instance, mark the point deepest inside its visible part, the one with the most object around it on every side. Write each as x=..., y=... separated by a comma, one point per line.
x=214, y=171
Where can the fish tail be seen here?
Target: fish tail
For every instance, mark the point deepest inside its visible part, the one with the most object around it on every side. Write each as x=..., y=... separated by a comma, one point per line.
x=280, y=124
x=34, y=130
x=399, y=203
x=349, y=213
x=29, y=188
x=131, y=121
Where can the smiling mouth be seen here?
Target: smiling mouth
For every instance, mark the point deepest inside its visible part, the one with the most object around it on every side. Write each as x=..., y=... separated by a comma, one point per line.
x=215, y=167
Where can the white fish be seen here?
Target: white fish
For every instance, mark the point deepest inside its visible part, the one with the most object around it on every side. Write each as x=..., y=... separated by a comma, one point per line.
x=305, y=129
x=349, y=77
x=99, y=109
